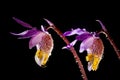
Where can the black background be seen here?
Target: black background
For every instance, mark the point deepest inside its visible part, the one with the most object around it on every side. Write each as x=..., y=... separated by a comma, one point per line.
x=17, y=61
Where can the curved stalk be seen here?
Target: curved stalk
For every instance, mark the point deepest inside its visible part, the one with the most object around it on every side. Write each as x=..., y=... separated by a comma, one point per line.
x=104, y=31
x=77, y=59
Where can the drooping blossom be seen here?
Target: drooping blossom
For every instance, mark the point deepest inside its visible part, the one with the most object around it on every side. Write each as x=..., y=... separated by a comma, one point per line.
x=91, y=42
x=39, y=38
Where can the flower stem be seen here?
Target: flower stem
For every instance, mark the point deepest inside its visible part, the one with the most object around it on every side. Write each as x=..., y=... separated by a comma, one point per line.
x=78, y=61
x=104, y=30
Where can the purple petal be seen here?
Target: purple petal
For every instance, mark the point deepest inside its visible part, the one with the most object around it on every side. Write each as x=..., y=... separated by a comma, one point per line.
x=49, y=22
x=27, y=33
x=102, y=25
x=77, y=31
x=67, y=33
x=83, y=36
x=22, y=23
x=19, y=34
x=86, y=44
x=30, y=33
x=36, y=39
x=71, y=44
x=42, y=28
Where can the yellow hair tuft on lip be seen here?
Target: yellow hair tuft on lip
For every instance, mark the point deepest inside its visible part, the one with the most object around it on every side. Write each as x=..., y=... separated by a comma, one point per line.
x=89, y=57
x=42, y=56
x=95, y=62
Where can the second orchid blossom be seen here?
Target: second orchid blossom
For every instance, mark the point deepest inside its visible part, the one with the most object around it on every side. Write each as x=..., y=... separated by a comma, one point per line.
x=39, y=38
x=91, y=42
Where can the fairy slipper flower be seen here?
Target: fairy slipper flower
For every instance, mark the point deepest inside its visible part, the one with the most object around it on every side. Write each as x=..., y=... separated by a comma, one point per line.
x=90, y=42
x=39, y=38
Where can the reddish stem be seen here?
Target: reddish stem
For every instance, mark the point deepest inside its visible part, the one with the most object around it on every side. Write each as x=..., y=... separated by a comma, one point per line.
x=77, y=59
x=104, y=30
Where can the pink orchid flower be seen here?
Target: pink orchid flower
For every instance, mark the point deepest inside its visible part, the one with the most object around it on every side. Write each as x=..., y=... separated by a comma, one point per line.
x=39, y=38
x=91, y=42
